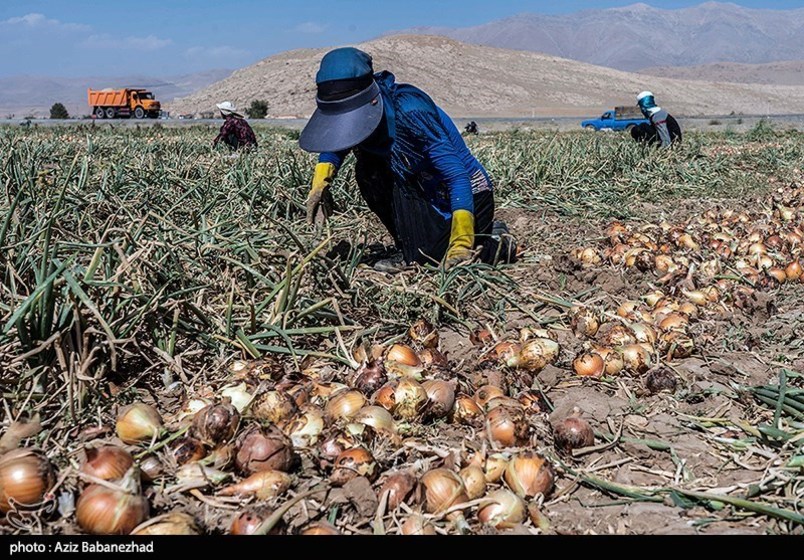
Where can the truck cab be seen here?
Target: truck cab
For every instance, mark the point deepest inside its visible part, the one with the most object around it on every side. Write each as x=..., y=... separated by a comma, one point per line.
x=144, y=104
x=615, y=120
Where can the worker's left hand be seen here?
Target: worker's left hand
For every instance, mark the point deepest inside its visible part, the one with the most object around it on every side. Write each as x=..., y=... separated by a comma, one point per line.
x=461, y=239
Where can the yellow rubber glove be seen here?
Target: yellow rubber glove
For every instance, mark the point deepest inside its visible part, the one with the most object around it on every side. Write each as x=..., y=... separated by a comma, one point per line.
x=461, y=239
x=317, y=211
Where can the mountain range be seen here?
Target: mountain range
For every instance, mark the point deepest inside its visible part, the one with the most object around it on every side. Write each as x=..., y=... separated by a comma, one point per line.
x=640, y=36
x=480, y=81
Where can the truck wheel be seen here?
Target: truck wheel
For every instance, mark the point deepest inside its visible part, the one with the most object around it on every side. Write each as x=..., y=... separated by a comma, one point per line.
x=629, y=128
x=139, y=113
x=100, y=113
x=110, y=112
x=590, y=127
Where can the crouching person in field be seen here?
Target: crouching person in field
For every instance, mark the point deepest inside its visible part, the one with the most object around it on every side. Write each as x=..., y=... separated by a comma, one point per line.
x=663, y=128
x=235, y=131
x=412, y=166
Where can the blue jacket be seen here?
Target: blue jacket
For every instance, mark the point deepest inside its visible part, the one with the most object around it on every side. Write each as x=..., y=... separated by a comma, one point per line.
x=427, y=151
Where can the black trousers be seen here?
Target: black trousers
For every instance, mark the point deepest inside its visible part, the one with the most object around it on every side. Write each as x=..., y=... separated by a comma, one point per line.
x=646, y=132
x=418, y=230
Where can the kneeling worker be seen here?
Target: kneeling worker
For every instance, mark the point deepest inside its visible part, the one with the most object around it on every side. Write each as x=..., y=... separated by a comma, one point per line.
x=412, y=166
x=662, y=128
x=235, y=131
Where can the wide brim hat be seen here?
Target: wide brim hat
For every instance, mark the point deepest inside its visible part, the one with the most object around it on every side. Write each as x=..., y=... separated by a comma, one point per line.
x=344, y=123
x=227, y=107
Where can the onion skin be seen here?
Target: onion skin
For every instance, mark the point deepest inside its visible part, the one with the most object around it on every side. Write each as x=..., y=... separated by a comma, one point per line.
x=138, y=422
x=107, y=462
x=188, y=450
x=502, y=509
x=353, y=463
x=417, y=524
x=264, y=485
x=260, y=449
x=103, y=511
x=529, y=474
x=400, y=486
x=370, y=378
x=25, y=477
x=424, y=333
x=487, y=392
x=442, y=490
x=573, y=433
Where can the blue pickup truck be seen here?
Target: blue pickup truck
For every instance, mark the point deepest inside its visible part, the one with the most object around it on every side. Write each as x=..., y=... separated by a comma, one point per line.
x=621, y=118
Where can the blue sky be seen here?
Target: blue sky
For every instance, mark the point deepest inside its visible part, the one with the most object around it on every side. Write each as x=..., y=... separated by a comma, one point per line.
x=166, y=37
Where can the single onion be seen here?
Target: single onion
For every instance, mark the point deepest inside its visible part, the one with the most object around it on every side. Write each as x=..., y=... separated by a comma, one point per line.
x=589, y=365
x=216, y=424
x=138, y=422
x=107, y=462
x=502, y=509
x=384, y=396
x=424, y=333
x=344, y=405
x=474, y=480
x=305, y=429
x=486, y=393
x=677, y=345
x=494, y=467
x=187, y=450
x=440, y=397
x=101, y=510
x=584, y=322
x=466, y=411
x=274, y=407
x=529, y=474
x=410, y=399
x=481, y=337
x=260, y=449
x=238, y=395
x=246, y=523
x=506, y=426
x=537, y=353
x=25, y=477
x=660, y=379
x=417, y=524
x=151, y=468
x=673, y=321
x=353, y=463
x=793, y=271
x=507, y=352
x=399, y=486
x=370, y=377
x=573, y=433
x=404, y=355
x=434, y=358
x=442, y=490
x=636, y=358
x=616, y=335
x=263, y=484
x=377, y=418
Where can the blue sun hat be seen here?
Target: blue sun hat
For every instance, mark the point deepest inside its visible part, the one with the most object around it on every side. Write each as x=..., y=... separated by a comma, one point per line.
x=350, y=105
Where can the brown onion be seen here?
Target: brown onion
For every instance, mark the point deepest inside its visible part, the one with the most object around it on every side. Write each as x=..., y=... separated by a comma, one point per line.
x=506, y=426
x=537, y=353
x=138, y=422
x=433, y=357
x=440, y=397
x=384, y=396
x=442, y=490
x=399, y=486
x=370, y=377
x=466, y=411
x=636, y=358
x=573, y=433
x=275, y=407
x=501, y=509
x=188, y=449
x=589, y=365
x=151, y=468
x=474, y=480
x=377, y=418
x=417, y=524
x=107, y=462
x=306, y=428
x=344, y=405
x=101, y=510
x=353, y=463
x=216, y=424
x=584, y=322
x=660, y=379
x=410, y=399
x=486, y=393
x=25, y=477
x=404, y=355
x=424, y=333
x=260, y=449
x=494, y=467
x=246, y=523
x=264, y=485
x=793, y=271
x=529, y=474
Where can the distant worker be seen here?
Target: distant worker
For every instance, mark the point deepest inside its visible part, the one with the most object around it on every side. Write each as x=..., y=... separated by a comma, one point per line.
x=412, y=166
x=663, y=128
x=471, y=128
x=235, y=131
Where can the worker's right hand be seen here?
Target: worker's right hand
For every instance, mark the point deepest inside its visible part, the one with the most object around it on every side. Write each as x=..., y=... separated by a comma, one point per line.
x=317, y=201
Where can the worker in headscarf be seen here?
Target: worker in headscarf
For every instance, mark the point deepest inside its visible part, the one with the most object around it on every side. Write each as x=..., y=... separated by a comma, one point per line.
x=235, y=131
x=663, y=128
x=412, y=166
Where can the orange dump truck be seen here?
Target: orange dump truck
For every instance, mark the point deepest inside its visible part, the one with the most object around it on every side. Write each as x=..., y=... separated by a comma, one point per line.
x=120, y=103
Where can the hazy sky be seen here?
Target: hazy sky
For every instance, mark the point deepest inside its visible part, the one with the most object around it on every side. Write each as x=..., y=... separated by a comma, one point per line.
x=161, y=37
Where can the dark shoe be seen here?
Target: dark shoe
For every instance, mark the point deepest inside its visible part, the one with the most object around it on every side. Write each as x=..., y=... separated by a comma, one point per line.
x=500, y=247
x=391, y=265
